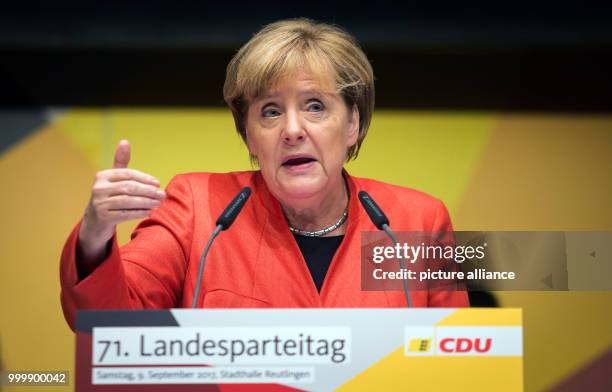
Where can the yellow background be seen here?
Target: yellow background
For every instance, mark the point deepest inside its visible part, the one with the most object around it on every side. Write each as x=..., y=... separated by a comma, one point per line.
x=494, y=171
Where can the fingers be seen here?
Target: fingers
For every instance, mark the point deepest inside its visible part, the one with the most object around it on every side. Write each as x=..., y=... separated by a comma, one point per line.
x=118, y=195
x=129, y=188
x=114, y=175
x=123, y=202
x=108, y=211
x=125, y=215
x=115, y=202
x=122, y=155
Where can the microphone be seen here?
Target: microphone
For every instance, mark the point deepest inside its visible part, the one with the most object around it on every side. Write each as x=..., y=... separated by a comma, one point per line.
x=377, y=216
x=380, y=220
x=224, y=221
x=230, y=213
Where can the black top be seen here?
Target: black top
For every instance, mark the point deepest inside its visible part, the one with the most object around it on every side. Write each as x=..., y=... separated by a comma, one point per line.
x=318, y=253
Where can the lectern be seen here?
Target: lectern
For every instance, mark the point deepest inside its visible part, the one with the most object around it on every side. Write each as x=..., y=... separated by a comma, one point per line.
x=433, y=349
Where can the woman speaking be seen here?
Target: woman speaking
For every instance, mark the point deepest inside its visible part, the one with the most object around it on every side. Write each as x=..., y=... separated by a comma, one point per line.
x=302, y=96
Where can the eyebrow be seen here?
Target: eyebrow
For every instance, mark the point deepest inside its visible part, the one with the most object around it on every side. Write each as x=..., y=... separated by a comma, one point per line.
x=305, y=92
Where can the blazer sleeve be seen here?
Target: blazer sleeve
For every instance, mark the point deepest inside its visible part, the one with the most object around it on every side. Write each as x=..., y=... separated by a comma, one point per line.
x=449, y=298
x=146, y=273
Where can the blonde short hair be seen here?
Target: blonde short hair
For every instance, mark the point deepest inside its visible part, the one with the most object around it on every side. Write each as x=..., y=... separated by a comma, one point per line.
x=284, y=47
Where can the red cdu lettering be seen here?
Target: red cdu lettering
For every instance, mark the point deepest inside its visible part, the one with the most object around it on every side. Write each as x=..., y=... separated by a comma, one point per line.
x=445, y=345
x=486, y=348
x=463, y=345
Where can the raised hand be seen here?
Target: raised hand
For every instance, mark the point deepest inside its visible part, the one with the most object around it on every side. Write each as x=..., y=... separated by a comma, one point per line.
x=118, y=194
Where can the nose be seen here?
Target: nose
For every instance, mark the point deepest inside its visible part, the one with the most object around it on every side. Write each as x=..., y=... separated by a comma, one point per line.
x=293, y=130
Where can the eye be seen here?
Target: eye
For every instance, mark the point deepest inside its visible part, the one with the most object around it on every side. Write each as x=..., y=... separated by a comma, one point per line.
x=315, y=106
x=270, y=111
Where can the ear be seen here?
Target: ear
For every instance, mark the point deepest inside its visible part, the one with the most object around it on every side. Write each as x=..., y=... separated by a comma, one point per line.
x=353, y=133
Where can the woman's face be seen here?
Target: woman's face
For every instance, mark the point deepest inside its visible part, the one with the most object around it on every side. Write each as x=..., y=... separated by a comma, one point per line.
x=300, y=132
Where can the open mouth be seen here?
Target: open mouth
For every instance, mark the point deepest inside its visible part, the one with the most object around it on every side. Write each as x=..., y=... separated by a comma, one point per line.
x=298, y=161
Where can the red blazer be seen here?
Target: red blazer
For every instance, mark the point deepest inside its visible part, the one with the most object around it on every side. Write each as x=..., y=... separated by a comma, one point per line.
x=256, y=263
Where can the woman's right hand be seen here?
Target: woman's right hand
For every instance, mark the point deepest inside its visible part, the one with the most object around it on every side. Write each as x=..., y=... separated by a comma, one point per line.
x=118, y=194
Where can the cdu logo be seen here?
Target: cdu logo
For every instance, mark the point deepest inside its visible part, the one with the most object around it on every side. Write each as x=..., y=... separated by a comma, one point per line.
x=465, y=345
x=419, y=345
x=463, y=341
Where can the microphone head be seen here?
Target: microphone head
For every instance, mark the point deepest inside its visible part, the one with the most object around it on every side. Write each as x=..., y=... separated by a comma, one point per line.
x=230, y=213
x=377, y=216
